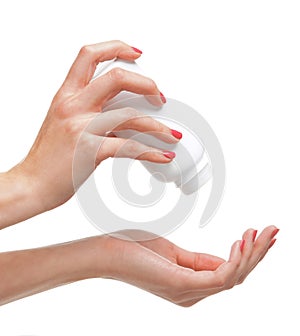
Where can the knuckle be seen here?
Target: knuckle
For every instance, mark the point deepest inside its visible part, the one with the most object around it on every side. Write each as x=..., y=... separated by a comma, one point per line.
x=152, y=85
x=241, y=280
x=163, y=128
x=117, y=74
x=229, y=285
x=197, y=261
x=130, y=113
x=72, y=127
x=86, y=50
x=220, y=281
x=63, y=109
x=131, y=146
x=117, y=43
x=235, y=265
x=157, y=126
x=125, y=149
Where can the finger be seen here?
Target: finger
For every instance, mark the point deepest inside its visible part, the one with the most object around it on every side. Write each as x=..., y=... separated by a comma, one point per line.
x=197, y=285
x=84, y=66
x=127, y=148
x=116, y=80
x=182, y=257
x=260, y=249
x=262, y=243
x=128, y=118
x=273, y=241
x=220, y=279
x=247, y=248
x=197, y=261
x=230, y=271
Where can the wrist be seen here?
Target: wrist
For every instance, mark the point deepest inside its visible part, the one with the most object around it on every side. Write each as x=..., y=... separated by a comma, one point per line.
x=18, y=197
x=103, y=260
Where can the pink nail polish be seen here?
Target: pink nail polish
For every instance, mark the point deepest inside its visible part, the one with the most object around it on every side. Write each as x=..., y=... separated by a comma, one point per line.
x=163, y=98
x=272, y=243
x=137, y=50
x=169, y=155
x=176, y=134
x=242, y=245
x=275, y=233
x=254, y=235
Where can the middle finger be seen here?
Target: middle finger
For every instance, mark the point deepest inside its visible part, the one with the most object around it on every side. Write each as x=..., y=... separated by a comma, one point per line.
x=113, y=82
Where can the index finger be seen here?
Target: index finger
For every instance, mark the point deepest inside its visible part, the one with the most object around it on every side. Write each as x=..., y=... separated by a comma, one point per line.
x=84, y=66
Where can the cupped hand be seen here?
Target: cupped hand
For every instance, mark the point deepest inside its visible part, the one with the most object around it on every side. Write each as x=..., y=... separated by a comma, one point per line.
x=182, y=277
x=48, y=166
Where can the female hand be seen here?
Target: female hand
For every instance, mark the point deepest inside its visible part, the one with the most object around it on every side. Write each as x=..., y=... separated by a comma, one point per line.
x=157, y=266
x=184, y=277
x=45, y=176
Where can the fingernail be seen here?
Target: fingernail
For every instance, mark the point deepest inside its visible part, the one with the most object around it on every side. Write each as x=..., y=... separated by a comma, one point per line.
x=254, y=235
x=272, y=243
x=275, y=232
x=176, y=134
x=163, y=98
x=137, y=50
x=169, y=155
x=242, y=245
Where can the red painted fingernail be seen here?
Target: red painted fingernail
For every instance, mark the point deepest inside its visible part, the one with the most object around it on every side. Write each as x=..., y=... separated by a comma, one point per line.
x=275, y=233
x=163, y=98
x=137, y=50
x=169, y=155
x=254, y=235
x=176, y=134
x=242, y=245
x=272, y=243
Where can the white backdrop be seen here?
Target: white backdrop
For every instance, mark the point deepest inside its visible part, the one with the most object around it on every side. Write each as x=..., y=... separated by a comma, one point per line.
x=237, y=63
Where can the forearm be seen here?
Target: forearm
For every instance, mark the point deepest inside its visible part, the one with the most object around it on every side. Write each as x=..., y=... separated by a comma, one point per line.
x=18, y=197
x=26, y=272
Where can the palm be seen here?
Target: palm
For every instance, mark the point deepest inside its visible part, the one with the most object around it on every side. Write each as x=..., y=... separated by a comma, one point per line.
x=181, y=257
x=184, y=277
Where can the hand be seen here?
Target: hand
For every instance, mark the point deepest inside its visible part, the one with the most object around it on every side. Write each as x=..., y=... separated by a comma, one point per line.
x=46, y=172
x=157, y=266
x=184, y=277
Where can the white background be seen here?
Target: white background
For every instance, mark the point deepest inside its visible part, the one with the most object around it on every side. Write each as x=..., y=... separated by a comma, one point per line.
x=237, y=63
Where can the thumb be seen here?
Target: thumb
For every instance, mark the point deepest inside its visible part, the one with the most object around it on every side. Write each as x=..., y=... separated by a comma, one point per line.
x=198, y=261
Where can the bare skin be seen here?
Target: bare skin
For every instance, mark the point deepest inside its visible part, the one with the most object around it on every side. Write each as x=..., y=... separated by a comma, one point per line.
x=157, y=266
x=43, y=181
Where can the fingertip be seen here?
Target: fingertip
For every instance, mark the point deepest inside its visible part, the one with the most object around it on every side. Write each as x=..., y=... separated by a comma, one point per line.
x=271, y=227
x=235, y=251
x=176, y=134
x=254, y=234
x=169, y=155
x=154, y=99
x=247, y=234
x=162, y=97
x=156, y=156
x=130, y=54
x=275, y=231
x=242, y=245
x=137, y=51
x=271, y=230
x=272, y=243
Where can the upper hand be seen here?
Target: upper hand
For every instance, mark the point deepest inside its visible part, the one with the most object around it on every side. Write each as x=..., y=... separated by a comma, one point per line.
x=48, y=166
